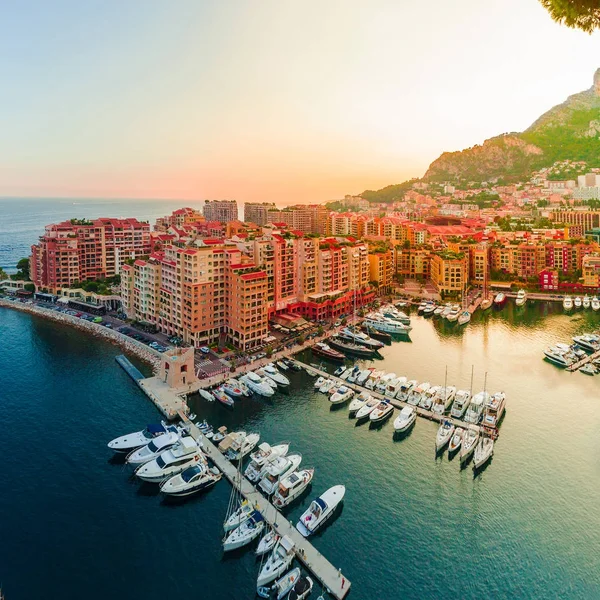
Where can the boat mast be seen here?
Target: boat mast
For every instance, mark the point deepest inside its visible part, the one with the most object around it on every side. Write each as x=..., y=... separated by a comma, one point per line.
x=446, y=386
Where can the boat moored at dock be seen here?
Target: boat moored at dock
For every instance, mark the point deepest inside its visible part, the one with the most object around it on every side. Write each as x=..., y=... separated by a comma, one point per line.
x=133, y=441
x=320, y=510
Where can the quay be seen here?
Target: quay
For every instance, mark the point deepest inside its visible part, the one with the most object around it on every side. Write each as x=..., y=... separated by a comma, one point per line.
x=331, y=578
x=583, y=361
x=421, y=412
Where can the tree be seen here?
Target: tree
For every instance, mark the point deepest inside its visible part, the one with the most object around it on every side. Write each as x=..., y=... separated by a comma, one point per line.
x=578, y=14
x=29, y=287
x=3, y=275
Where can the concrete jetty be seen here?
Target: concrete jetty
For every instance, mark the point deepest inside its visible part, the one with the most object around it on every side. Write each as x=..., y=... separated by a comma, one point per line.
x=330, y=577
x=583, y=361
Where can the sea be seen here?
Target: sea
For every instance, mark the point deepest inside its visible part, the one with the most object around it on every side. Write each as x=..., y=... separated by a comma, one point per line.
x=75, y=524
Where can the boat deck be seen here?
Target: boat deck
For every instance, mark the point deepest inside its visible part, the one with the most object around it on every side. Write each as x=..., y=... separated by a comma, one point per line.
x=331, y=578
x=421, y=412
x=583, y=361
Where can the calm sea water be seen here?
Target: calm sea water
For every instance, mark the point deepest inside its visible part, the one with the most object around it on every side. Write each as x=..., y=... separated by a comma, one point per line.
x=74, y=524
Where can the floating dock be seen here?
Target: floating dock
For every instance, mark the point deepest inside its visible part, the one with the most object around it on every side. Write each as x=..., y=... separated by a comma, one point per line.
x=331, y=578
x=426, y=414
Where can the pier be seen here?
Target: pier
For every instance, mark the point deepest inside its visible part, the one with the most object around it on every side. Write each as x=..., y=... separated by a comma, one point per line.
x=331, y=578
x=583, y=361
x=421, y=412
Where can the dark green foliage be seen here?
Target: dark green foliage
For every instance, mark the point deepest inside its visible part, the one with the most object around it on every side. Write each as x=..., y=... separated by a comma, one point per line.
x=578, y=14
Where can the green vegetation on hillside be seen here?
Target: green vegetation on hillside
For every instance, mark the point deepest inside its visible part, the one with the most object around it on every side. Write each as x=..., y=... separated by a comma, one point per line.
x=390, y=193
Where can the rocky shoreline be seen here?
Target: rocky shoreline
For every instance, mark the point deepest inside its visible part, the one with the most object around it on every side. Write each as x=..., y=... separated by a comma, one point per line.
x=131, y=346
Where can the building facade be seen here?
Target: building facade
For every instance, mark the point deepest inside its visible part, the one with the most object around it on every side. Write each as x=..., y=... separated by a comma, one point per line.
x=221, y=210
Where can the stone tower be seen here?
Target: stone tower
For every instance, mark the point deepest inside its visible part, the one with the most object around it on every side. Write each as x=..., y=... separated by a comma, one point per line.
x=177, y=367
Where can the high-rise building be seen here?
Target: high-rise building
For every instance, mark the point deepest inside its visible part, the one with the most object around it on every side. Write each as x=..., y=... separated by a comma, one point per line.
x=80, y=250
x=221, y=210
x=257, y=212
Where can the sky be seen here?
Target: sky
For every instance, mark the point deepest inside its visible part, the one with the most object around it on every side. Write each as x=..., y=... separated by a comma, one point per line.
x=266, y=100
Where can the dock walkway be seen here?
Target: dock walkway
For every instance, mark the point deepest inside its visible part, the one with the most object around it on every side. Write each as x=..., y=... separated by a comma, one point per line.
x=426, y=414
x=330, y=577
x=583, y=361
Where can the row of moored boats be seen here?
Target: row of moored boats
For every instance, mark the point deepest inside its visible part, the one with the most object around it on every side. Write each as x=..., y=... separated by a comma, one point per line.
x=566, y=355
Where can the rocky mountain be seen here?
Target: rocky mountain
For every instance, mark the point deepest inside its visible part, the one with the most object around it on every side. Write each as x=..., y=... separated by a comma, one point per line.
x=570, y=130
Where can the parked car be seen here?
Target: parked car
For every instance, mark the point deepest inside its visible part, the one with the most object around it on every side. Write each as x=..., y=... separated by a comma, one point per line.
x=205, y=350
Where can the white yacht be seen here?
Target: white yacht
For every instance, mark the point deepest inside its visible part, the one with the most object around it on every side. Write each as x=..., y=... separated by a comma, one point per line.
x=292, y=486
x=193, y=479
x=363, y=376
x=577, y=302
x=588, y=341
x=447, y=310
x=132, y=441
x=476, y=406
x=257, y=384
x=245, y=533
x=568, y=303
x=461, y=403
x=444, y=434
x=329, y=383
x=365, y=410
x=394, y=386
x=342, y=395
x=153, y=449
x=361, y=338
x=206, y=395
x=278, y=561
x=233, y=388
x=469, y=442
x=418, y=392
x=242, y=446
x=382, y=411
x=405, y=389
x=438, y=311
x=464, y=317
x=273, y=472
x=358, y=402
x=494, y=409
x=268, y=379
x=238, y=516
x=595, y=304
x=302, y=589
x=384, y=381
x=319, y=382
x=391, y=312
x=443, y=399
x=427, y=397
x=183, y=454
x=559, y=356
x=380, y=323
x=282, y=587
x=261, y=457
x=406, y=418
x=276, y=375
x=521, y=298
x=320, y=510
x=267, y=542
x=353, y=375
x=483, y=452
x=373, y=379
x=454, y=313
x=456, y=440
x=586, y=301
x=346, y=373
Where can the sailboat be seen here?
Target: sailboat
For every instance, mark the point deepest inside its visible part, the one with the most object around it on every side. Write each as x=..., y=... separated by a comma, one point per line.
x=470, y=436
x=465, y=316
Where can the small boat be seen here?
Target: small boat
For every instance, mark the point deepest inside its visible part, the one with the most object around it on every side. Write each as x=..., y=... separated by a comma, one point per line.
x=384, y=381
x=342, y=395
x=302, y=589
x=346, y=373
x=494, y=409
x=588, y=369
x=586, y=301
x=194, y=479
x=206, y=395
x=320, y=510
x=292, y=364
x=461, y=403
x=223, y=398
x=182, y=455
x=406, y=389
x=469, y=441
x=443, y=399
x=277, y=562
x=257, y=384
x=444, y=434
x=319, y=382
x=428, y=396
x=232, y=388
x=220, y=435
x=239, y=516
x=281, y=365
x=365, y=410
x=595, y=304
x=339, y=370
x=456, y=440
x=132, y=441
x=267, y=543
x=500, y=299
x=322, y=349
x=363, y=376
x=486, y=303
x=358, y=402
x=577, y=302
x=261, y=457
x=353, y=375
x=283, y=586
x=292, y=486
x=464, y=317
x=567, y=303
x=276, y=375
x=454, y=314
x=522, y=298
x=438, y=311
x=418, y=392
x=245, y=533
x=277, y=470
x=326, y=387
x=152, y=450
x=394, y=386
x=381, y=412
x=404, y=421
x=429, y=310
x=242, y=446
x=483, y=452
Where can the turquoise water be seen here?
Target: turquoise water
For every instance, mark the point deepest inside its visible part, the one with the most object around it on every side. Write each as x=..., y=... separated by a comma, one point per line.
x=74, y=523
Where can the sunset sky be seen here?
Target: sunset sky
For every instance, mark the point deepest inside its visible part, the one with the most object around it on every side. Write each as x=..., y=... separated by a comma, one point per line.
x=277, y=100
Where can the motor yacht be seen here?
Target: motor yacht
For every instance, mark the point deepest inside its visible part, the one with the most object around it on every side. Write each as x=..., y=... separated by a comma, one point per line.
x=456, y=440
x=461, y=403
x=405, y=390
x=194, y=479
x=257, y=384
x=358, y=402
x=382, y=323
x=494, y=409
x=342, y=395
x=469, y=441
x=391, y=312
x=322, y=349
x=153, y=449
x=522, y=298
x=353, y=375
x=179, y=457
x=329, y=383
x=262, y=456
x=429, y=309
x=438, y=311
x=276, y=470
x=292, y=486
x=384, y=381
x=245, y=533
x=132, y=441
x=559, y=357
x=394, y=386
x=360, y=338
x=405, y=419
x=381, y=412
x=346, y=373
x=448, y=308
x=351, y=348
x=364, y=411
x=444, y=434
x=588, y=341
x=339, y=370
x=242, y=446
x=454, y=314
x=588, y=369
x=319, y=382
x=577, y=302
x=276, y=375
x=567, y=303
x=586, y=301
x=443, y=399
x=428, y=396
x=278, y=561
x=418, y=392
x=233, y=388
x=499, y=298
x=483, y=452
x=302, y=588
x=373, y=379
x=476, y=406
x=363, y=376
x=320, y=510
x=267, y=378
x=282, y=587
x=222, y=397
x=229, y=440
x=281, y=365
